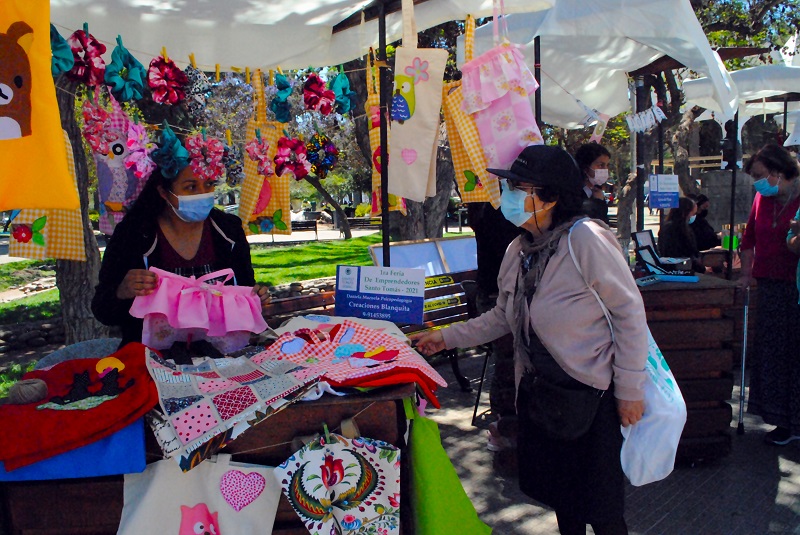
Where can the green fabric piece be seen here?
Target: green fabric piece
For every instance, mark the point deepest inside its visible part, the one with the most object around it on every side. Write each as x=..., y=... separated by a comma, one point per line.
x=125, y=75
x=280, y=105
x=346, y=99
x=439, y=503
x=62, y=54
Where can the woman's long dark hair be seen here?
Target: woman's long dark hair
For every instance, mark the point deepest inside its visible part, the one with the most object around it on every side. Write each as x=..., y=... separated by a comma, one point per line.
x=679, y=218
x=569, y=204
x=149, y=204
x=775, y=158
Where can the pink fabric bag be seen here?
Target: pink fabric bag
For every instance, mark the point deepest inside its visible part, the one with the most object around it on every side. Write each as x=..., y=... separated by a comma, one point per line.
x=497, y=86
x=182, y=309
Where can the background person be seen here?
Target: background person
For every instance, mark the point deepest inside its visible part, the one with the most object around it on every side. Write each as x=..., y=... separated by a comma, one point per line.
x=560, y=330
x=593, y=162
x=174, y=226
x=775, y=367
x=676, y=239
x=704, y=234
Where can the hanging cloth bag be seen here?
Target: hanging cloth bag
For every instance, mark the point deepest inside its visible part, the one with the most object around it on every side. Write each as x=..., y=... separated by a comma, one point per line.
x=224, y=497
x=416, y=104
x=497, y=87
x=650, y=445
x=465, y=144
x=438, y=500
x=34, y=163
x=274, y=219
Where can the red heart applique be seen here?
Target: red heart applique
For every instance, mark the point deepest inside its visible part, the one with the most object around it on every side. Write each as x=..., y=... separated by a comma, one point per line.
x=240, y=489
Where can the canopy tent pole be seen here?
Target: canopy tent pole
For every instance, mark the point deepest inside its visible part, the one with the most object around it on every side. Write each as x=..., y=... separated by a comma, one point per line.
x=384, y=157
x=785, y=113
x=661, y=216
x=537, y=73
x=641, y=172
x=733, y=165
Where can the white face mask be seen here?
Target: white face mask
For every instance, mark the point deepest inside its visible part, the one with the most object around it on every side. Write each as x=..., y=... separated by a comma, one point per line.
x=600, y=177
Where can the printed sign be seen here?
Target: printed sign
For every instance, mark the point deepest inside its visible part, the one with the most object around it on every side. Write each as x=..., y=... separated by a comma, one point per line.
x=664, y=191
x=380, y=293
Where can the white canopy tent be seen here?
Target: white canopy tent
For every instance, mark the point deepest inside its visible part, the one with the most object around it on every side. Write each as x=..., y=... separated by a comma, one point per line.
x=588, y=49
x=254, y=33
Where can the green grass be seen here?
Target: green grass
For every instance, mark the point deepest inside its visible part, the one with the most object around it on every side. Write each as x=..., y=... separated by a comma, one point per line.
x=24, y=271
x=41, y=306
x=13, y=374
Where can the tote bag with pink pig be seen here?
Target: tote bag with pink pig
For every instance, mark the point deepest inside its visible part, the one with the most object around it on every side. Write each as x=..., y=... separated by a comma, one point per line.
x=496, y=87
x=416, y=104
x=183, y=309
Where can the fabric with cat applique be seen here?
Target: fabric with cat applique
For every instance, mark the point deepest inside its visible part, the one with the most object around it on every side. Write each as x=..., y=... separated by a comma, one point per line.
x=35, y=172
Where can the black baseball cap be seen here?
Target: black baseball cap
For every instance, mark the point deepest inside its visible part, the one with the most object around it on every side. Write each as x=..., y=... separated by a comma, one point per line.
x=543, y=165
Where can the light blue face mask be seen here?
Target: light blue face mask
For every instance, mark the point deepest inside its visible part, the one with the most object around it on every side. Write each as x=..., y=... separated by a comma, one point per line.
x=692, y=218
x=193, y=208
x=765, y=188
x=512, y=205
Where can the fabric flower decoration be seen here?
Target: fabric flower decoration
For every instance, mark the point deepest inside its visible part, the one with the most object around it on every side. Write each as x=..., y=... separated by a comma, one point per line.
x=257, y=151
x=205, y=156
x=197, y=91
x=87, y=54
x=234, y=166
x=62, y=53
x=280, y=103
x=166, y=81
x=22, y=233
x=96, y=128
x=170, y=156
x=291, y=154
x=316, y=96
x=139, y=149
x=322, y=154
x=346, y=99
x=125, y=75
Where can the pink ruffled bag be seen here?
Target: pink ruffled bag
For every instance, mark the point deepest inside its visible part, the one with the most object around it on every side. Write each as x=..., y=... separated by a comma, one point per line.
x=185, y=309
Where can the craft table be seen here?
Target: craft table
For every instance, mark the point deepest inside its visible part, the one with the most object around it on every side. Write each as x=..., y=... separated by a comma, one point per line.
x=93, y=506
x=694, y=325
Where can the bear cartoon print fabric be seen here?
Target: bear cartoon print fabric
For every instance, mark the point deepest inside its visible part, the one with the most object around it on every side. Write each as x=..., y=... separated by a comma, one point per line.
x=34, y=160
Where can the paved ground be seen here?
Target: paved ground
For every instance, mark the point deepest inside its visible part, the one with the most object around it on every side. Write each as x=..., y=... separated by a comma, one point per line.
x=753, y=491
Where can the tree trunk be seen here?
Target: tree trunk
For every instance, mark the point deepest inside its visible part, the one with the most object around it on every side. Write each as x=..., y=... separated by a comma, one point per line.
x=436, y=206
x=76, y=280
x=679, y=143
x=343, y=224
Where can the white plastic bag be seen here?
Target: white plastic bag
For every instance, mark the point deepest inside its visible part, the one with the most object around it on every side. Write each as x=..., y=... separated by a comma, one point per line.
x=649, y=446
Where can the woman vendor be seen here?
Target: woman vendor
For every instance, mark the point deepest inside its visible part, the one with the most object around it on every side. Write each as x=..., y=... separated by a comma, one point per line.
x=551, y=284
x=174, y=226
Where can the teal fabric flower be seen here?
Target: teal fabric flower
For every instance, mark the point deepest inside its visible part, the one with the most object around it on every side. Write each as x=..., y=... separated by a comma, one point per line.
x=125, y=75
x=170, y=156
x=62, y=53
x=280, y=105
x=346, y=99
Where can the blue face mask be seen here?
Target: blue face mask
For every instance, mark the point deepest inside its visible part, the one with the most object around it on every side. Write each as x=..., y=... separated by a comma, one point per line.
x=512, y=205
x=193, y=208
x=692, y=218
x=765, y=188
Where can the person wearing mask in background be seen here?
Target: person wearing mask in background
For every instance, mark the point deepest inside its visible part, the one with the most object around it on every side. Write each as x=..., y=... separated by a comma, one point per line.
x=562, y=338
x=704, y=234
x=593, y=162
x=775, y=367
x=676, y=239
x=174, y=226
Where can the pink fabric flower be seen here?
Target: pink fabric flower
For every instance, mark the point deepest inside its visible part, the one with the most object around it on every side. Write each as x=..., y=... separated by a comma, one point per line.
x=316, y=96
x=139, y=149
x=205, y=156
x=96, y=127
x=89, y=67
x=257, y=150
x=418, y=70
x=291, y=154
x=166, y=81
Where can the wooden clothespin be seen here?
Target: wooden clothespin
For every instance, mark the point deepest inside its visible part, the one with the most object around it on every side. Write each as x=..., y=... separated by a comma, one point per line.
x=279, y=70
x=247, y=75
x=236, y=69
x=164, y=53
x=271, y=77
x=216, y=72
x=228, y=137
x=192, y=61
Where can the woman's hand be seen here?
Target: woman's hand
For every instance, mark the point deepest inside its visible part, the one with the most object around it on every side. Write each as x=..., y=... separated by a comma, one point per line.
x=428, y=343
x=137, y=282
x=629, y=412
x=263, y=293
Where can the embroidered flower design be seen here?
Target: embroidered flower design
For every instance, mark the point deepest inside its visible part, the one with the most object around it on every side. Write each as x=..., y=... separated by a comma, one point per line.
x=350, y=522
x=22, y=233
x=418, y=70
x=394, y=500
x=267, y=225
x=332, y=471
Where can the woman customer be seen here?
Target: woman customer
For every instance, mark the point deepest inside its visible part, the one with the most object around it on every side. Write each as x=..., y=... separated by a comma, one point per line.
x=676, y=238
x=704, y=234
x=562, y=339
x=775, y=367
x=174, y=226
x=593, y=160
